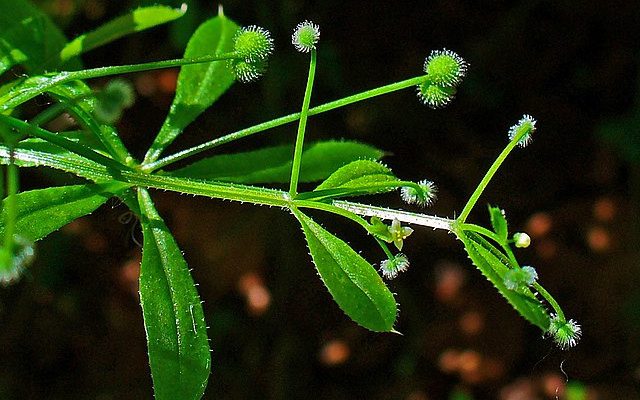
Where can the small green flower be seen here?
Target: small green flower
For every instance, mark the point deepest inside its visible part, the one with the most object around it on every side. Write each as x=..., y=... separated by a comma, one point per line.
x=253, y=43
x=392, y=267
x=423, y=196
x=521, y=240
x=399, y=233
x=565, y=333
x=305, y=36
x=445, y=67
x=523, y=129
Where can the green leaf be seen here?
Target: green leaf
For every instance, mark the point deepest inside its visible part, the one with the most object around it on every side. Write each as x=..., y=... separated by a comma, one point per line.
x=199, y=85
x=493, y=265
x=29, y=37
x=356, y=178
x=43, y=211
x=136, y=21
x=352, y=281
x=499, y=223
x=273, y=164
x=179, y=352
x=36, y=152
x=80, y=102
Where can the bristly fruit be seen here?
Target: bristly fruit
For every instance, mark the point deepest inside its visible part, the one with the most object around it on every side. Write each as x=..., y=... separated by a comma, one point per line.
x=392, y=267
x=423, y=196
x=253, y=43
x=445, y=67
x=247, y=71
x=435, y=96
x=523, y=130
x=305, y=36
x=565, y=333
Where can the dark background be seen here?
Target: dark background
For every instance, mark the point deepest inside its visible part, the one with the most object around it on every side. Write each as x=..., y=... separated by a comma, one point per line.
x=72, y=328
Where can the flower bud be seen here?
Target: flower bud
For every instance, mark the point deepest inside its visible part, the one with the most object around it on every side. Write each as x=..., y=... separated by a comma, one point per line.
x=521, y=240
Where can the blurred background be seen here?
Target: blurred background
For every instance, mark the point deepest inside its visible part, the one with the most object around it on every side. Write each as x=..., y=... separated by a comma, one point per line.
x=72, y=327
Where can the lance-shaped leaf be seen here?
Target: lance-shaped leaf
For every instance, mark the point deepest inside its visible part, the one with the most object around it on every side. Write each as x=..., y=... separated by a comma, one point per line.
x=499, y=223
x=493, y=265
x=37, y=152
x=199, y=85
x=357, y=178
x=273, y=164
x=42, y=211
x=28, y=37
x=136, y=21
x=80, y=102
x=173, y=317
x=352, y=281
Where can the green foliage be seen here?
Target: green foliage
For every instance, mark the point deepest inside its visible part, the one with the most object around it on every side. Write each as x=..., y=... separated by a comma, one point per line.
x=199, y=86
x=273, y=164
x=499, y=223
x=29, y=38
x=173, y=316
x=136, y=21
x=42, y=211
x=351, y=280
x=363, y=175
x=494, y=265
x=179, y=353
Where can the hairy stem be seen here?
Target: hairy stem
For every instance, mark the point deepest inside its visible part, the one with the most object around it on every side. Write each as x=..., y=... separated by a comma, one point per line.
x=302, y=126
x=488, y=176
x=402, y=216
x=163, y=162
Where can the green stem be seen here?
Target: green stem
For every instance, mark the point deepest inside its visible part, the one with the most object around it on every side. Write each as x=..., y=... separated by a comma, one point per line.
x=487, y=233
x=431, y=221
x=130, y=68
x=48, y=115
x=302, y=126
x=40, y=84
x=163, y=162
x=58, y=140
x=489, y=175
x=333, y=209
x=11, y=203
x=344, y=192
x=547, y=296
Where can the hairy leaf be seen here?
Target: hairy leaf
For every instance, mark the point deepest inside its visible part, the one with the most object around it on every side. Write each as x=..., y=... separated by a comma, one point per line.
x=28, y=37
x=43, y=211
x=199, y=85
x=493, y=265
x=499, y=223
x=357, y=178
x=351, y=280
x=80, y=101
x=136, y=21
x=273, y=164
x=173, y=316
